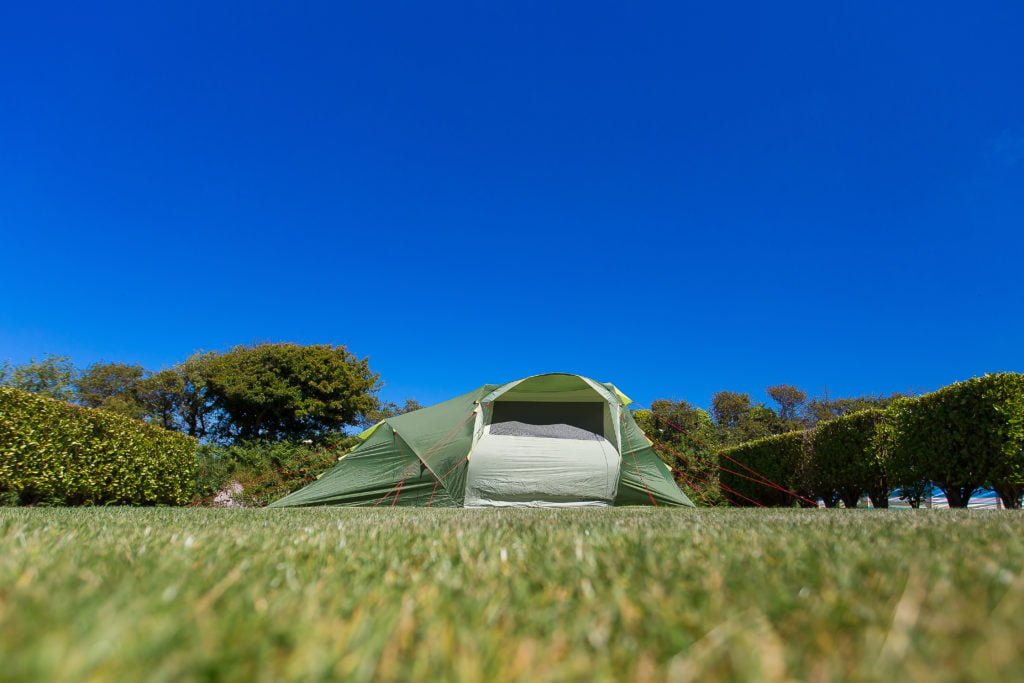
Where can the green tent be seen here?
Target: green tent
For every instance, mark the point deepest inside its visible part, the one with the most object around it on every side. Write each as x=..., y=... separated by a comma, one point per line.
x=552, y=440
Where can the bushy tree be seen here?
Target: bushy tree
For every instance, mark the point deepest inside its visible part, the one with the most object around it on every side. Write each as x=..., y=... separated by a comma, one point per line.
x=823, y=408
x=177, y=398
x=53, y=377
x=267, y=470
x=739, y=420
x=113, y=387
x=729, y=408
x=388, y=409
x=790, y=400
x=758, y=423
x=280, y=391
x=684, y=436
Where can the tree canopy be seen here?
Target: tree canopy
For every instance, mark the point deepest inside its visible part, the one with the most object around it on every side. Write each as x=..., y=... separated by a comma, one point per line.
x=265, y=391
x=112, y=386
x=53, y=377
x=275, y=391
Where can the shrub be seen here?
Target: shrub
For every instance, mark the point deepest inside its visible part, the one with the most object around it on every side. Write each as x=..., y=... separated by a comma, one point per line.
x=684, y=438
x=843, y=463
x=779, y=459
x=267, y=470
x=961, y=437
x=57, y=453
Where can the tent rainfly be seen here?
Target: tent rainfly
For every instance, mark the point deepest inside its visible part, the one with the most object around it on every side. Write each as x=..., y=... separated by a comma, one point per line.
x=553, y=440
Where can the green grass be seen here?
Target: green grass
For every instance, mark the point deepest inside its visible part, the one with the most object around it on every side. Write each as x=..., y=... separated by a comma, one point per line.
x=396, y=595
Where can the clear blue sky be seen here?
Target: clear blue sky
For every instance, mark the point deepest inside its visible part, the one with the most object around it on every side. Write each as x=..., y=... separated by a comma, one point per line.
x=677, y=197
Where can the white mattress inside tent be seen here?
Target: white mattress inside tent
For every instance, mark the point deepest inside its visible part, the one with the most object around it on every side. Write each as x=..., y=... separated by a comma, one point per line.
x=540, y=471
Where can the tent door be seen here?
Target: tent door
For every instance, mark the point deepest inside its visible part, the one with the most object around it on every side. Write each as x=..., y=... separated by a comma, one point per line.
x=529, y=471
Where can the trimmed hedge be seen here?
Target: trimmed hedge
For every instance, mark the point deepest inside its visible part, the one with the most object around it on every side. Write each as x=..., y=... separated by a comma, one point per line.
x=53, y=452
x=961, y=437
x=843, y=462
x=778, y=458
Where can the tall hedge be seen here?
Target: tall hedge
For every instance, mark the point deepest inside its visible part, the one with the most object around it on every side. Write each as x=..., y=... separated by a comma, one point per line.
x=961, y=437
x=843, y=462
x=58, y=453
x=779, y=459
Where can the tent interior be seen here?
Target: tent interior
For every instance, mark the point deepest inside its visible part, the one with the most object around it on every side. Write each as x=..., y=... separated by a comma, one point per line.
x=549, y=440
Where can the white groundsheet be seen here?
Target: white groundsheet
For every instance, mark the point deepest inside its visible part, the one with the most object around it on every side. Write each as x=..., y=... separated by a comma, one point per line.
x=531, y=471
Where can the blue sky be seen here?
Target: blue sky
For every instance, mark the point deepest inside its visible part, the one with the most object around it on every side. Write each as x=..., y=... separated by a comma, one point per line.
x=678, y=197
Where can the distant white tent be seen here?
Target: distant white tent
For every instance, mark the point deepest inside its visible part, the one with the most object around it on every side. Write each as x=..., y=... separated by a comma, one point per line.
x=985, y=499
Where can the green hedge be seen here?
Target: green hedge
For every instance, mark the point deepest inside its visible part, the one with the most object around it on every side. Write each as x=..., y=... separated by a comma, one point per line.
x=961, y=437
x=843, y=463
x=780, y=459
x=56, y=453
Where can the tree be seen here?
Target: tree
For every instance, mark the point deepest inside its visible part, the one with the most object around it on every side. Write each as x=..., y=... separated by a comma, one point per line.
x=738, y=420
x=177, y=398
x=388, y=409
x=278, y=391
x=409, y=406
x=52, y=376
x=789, y=398
x=113, y=387
x=729, y=407
x=195, y=407
x=824, y=407
x=682, y=422
x=687, y=440
x=160, y=395
x=758, y=423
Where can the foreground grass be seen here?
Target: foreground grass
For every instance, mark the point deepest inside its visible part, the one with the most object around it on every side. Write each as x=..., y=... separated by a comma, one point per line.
x=629, y=594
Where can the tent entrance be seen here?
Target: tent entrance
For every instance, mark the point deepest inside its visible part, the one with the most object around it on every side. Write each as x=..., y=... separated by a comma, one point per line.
x=525, y=470
x=583, y=415
x=548, y=441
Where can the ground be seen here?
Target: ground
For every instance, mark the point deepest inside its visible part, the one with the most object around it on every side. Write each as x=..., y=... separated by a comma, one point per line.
x=624, y=594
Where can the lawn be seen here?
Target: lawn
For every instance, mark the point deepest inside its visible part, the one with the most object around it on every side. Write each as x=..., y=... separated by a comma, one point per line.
x=628, y=594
